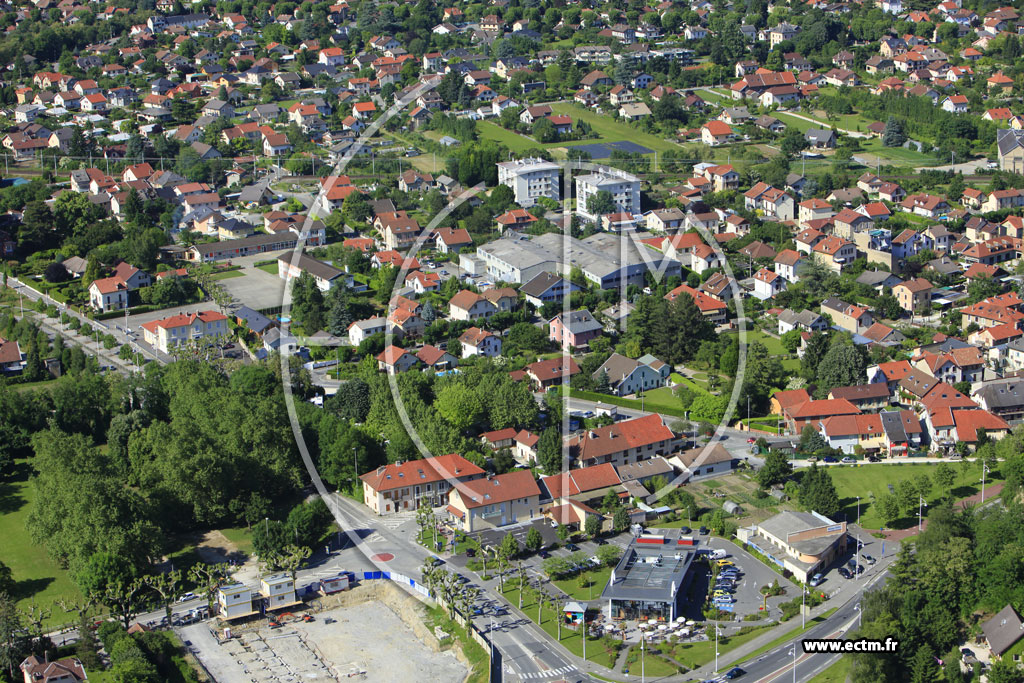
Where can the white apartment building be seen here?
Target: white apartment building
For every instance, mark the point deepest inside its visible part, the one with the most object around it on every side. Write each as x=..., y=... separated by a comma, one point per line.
x=529, y=179
x=624, y=188
x=177, y=330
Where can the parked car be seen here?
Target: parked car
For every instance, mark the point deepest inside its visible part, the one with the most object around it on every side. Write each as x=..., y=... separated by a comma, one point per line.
x=867, y=558
x=703, y=531
x=435, y=561
x=817, y=579
x=685, y=530
x=470, y=552
x=829, y=458
x=601, y=541
x=845, y=573
x=544, y=554
x=186, y=597
x=572, y=547
x=848, y=460
x=594, y=560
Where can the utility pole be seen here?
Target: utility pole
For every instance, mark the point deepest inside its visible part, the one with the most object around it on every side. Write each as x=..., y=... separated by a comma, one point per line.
x=803, y=603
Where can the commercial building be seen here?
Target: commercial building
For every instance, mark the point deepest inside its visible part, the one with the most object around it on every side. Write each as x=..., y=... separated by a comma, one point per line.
x=624, y=188
x=805, y=543
x=608, y=261
x=649, y=579
x=278, y=591
x=529, y=179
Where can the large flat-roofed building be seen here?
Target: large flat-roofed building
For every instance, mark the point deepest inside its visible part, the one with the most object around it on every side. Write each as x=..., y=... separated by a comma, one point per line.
x=805, y=543
x=624, y=188
x=649, y=579
x=529, y=179
x=609, y=261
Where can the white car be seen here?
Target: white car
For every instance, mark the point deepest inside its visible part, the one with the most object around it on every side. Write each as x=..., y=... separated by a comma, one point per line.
x=186, y=597
x=594, y=560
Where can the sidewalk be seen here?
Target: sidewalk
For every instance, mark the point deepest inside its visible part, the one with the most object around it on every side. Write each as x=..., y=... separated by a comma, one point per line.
x=847, y=592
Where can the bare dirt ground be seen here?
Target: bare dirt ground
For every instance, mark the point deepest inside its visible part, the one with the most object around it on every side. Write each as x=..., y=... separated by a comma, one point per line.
x=375, y=634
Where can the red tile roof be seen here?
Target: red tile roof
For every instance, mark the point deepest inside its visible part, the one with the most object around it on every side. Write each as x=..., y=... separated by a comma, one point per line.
x=613, y=438
x=498, y=489
x=428, y=470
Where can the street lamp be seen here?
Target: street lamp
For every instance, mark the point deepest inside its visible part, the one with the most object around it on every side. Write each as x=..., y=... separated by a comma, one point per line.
x=643, y=640
x=716, y=648
x=856, y=608
x=984, y=469
x=793, y=652
x=920, y=507
x=803, y=603
x=858, y=510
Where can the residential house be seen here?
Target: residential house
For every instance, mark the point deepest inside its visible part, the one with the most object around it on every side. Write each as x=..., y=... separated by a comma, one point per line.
x=574, y=330
x=394, y=360
x=628, y=376
x=404, y=486
x=623, y=443
x=494, y=501
x=477, y=342
x=914, y=295
x=468, y=305
x=183, y=329
x=853, y=319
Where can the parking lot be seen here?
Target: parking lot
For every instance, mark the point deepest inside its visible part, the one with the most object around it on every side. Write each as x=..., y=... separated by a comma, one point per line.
x=255, y=288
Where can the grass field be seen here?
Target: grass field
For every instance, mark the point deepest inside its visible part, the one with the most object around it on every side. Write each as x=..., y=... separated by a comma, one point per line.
x=514, y=141
x=799, y=630
x=652, y=665
x=228, y=274
x=693, y=655
x=873, y=480
x=611, y=130
x=595, y=583
x=37, y=578
x=269, y=268
x=836, y=673
x=571, y=639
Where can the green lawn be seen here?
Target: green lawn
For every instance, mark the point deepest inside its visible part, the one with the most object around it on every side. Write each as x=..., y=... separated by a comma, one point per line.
x=37, y=578
x=836, y=673
x=801, y=125
x=269, y=268
x=31, y=386
x=611, y=130
x=868, y=480
x=789, y=635
x=514, y=141
x=661, y=398
x=241, y=537
x=693, y=655
x=775, y=348
x=596, y=581
x=652, y=664
x=227, y=274
x=571, y=639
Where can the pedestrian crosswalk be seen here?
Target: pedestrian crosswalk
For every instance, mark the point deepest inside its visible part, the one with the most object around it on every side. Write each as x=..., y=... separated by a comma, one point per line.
x=550, y=673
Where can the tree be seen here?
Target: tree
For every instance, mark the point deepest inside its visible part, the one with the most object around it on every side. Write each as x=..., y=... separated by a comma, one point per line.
x=888, y=307
x=563, y=533
x=775, y=471
x=888, y=508
x=893, y=135
x=592, y=526
x=609, y=554
x=509, y=548
x=549, y=450
x=844, y=365
x=459, y=405
x=944, y=477
x=14, y=637
x=1005, y=671
x=908, y=496
x=36, y=226
x=534, y=540
x=620, y=520
x=600, y=203
x=818, y=492
x=811, y=441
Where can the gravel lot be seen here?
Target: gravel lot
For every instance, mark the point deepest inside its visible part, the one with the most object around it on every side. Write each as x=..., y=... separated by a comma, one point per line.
x=367, y=641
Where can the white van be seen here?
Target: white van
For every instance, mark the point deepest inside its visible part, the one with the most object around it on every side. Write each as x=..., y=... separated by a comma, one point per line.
x=718, y=554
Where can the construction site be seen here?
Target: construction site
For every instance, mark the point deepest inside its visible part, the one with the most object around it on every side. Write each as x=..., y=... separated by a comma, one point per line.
x=372, y=633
